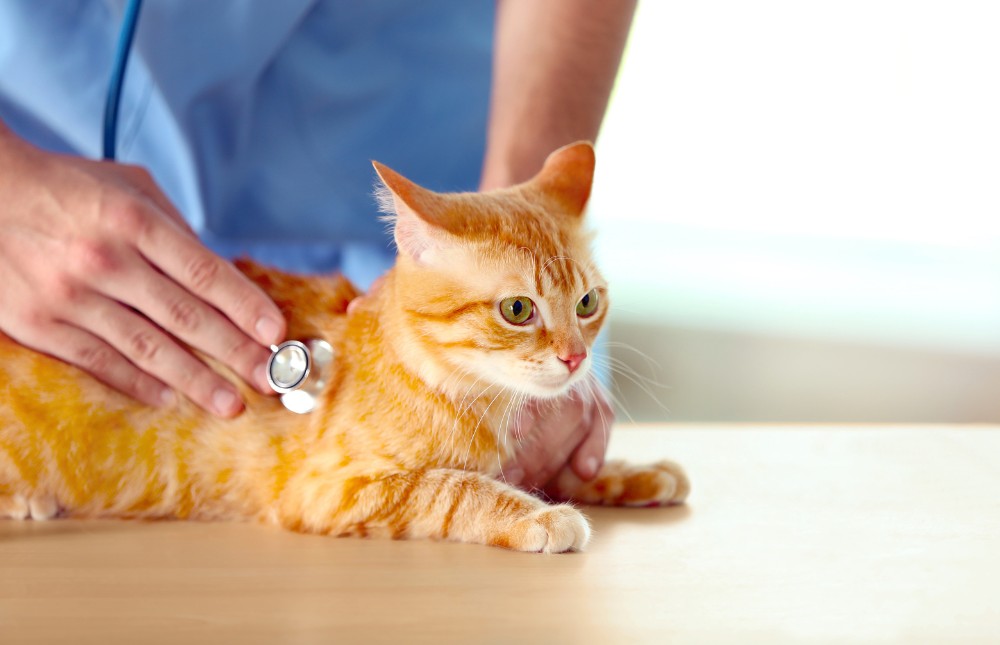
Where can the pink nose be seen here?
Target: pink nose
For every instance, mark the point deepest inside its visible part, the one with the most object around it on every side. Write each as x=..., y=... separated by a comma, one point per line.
x=573, y=361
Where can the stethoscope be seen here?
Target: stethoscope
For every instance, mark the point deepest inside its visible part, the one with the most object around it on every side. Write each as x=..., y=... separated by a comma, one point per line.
x=299, y=371
x=296, y=370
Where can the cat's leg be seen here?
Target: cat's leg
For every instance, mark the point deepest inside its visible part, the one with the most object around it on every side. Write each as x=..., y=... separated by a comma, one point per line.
x=439, y=503
x=621, y=484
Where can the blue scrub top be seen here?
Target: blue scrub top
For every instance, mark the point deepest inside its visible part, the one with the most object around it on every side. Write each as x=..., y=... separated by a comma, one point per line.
x=259, y=118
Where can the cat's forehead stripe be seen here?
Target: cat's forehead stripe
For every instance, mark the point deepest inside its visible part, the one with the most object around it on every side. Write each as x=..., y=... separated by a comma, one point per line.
x=448, y=311
x=561, y=271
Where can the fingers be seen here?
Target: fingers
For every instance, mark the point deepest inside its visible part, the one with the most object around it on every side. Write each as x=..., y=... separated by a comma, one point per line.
x=588, y=457
x=154, y=352
x=190, y=320
x=551, y=431
x=84, y=240
x=91, y=354
x=571, y=431
x=212, y=279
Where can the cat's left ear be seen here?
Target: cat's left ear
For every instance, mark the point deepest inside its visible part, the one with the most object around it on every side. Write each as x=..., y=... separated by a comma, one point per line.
x=567, y=176
x=419, y=216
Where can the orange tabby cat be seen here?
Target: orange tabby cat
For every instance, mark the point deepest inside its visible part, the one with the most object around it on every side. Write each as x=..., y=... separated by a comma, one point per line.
x=494, y=299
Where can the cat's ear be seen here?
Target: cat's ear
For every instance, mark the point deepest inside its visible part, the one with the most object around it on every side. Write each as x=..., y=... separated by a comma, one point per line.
x=418, y=215
x=567, y=175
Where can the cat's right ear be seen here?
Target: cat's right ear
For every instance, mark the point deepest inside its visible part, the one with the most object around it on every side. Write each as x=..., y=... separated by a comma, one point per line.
x=568, y=175
x=417, y=214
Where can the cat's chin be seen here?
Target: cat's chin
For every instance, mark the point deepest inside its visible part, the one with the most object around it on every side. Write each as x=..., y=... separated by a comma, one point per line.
x=550, y=393
x=553, y=389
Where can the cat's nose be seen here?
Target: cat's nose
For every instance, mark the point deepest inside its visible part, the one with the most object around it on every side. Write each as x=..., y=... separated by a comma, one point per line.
x=573, y=361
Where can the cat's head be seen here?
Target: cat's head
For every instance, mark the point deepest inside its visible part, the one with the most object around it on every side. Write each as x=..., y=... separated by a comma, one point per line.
x=501, y=286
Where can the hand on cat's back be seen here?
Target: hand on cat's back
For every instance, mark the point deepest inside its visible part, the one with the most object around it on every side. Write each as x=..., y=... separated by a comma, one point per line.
x=100, y=270
x=571, y=432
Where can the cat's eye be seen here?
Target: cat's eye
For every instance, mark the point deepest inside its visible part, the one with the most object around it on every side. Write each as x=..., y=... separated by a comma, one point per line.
x=587, y=305
x=517, y=310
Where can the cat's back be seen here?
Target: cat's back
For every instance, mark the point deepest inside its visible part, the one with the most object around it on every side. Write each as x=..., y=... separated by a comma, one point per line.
x=35, y=388
x=51, y=411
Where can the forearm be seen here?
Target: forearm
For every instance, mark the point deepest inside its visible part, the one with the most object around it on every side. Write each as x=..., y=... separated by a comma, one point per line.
x=7, y=136
x=554, y=65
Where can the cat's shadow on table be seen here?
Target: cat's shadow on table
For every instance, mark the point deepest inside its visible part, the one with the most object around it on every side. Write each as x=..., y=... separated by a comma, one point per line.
x=608, y=517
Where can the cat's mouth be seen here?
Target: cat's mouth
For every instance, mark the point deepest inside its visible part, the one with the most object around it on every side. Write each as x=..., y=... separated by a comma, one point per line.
x=558, y=385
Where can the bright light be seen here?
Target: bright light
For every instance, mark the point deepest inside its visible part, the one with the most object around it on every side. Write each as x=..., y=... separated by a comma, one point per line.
x=819, y=169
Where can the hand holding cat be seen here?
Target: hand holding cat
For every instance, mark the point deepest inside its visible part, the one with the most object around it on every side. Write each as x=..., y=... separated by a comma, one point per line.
x=571, y=432
x=100, y=270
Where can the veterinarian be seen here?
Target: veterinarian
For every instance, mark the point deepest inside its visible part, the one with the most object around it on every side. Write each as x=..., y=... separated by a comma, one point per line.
x=246, y=128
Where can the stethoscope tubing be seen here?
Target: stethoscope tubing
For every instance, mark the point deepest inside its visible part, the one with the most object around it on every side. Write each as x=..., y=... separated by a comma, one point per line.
x=112, y=103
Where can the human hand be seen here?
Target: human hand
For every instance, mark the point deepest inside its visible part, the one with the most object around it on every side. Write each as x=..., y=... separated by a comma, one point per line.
x=101, y=271
x=571, y=431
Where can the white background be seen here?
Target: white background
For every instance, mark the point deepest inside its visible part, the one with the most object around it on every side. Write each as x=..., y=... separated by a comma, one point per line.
x=826, y=171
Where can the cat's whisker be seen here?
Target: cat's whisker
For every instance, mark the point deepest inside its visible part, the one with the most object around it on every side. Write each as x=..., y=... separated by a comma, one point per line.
x=462, y=411
x=513, y=408
x=525, y=398
x=475, y=431
x=505, y=419
x=653, y=365
x=500, y=430
x=642, y=381
x=619, y=367
x=595, y=388
x=617, y=401
x=552, y=259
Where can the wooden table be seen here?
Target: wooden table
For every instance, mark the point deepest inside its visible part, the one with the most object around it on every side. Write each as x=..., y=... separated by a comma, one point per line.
x=793, y=534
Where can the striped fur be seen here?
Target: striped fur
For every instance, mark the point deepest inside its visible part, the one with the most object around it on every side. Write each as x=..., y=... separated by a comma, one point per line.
x=415, y=423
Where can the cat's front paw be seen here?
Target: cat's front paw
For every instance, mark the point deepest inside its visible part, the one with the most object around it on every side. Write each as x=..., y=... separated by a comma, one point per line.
x=621, y=484
x=35, y=507
x=553, y=529
x=14, y=507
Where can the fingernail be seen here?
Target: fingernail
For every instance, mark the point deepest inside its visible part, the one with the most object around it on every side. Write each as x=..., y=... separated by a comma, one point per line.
x=513, y=476
x=591, y=465
x=166, y=397
x=225, y=402
x=267, y=330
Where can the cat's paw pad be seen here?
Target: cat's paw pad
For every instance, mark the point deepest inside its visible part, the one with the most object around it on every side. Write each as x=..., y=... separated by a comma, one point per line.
x=553, y=529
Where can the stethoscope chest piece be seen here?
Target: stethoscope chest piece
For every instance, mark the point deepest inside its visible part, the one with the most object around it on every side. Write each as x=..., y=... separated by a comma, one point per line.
x=298, y=371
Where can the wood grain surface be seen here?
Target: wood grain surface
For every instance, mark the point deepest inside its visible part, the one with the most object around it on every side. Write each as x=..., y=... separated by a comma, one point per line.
x=795, y=534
